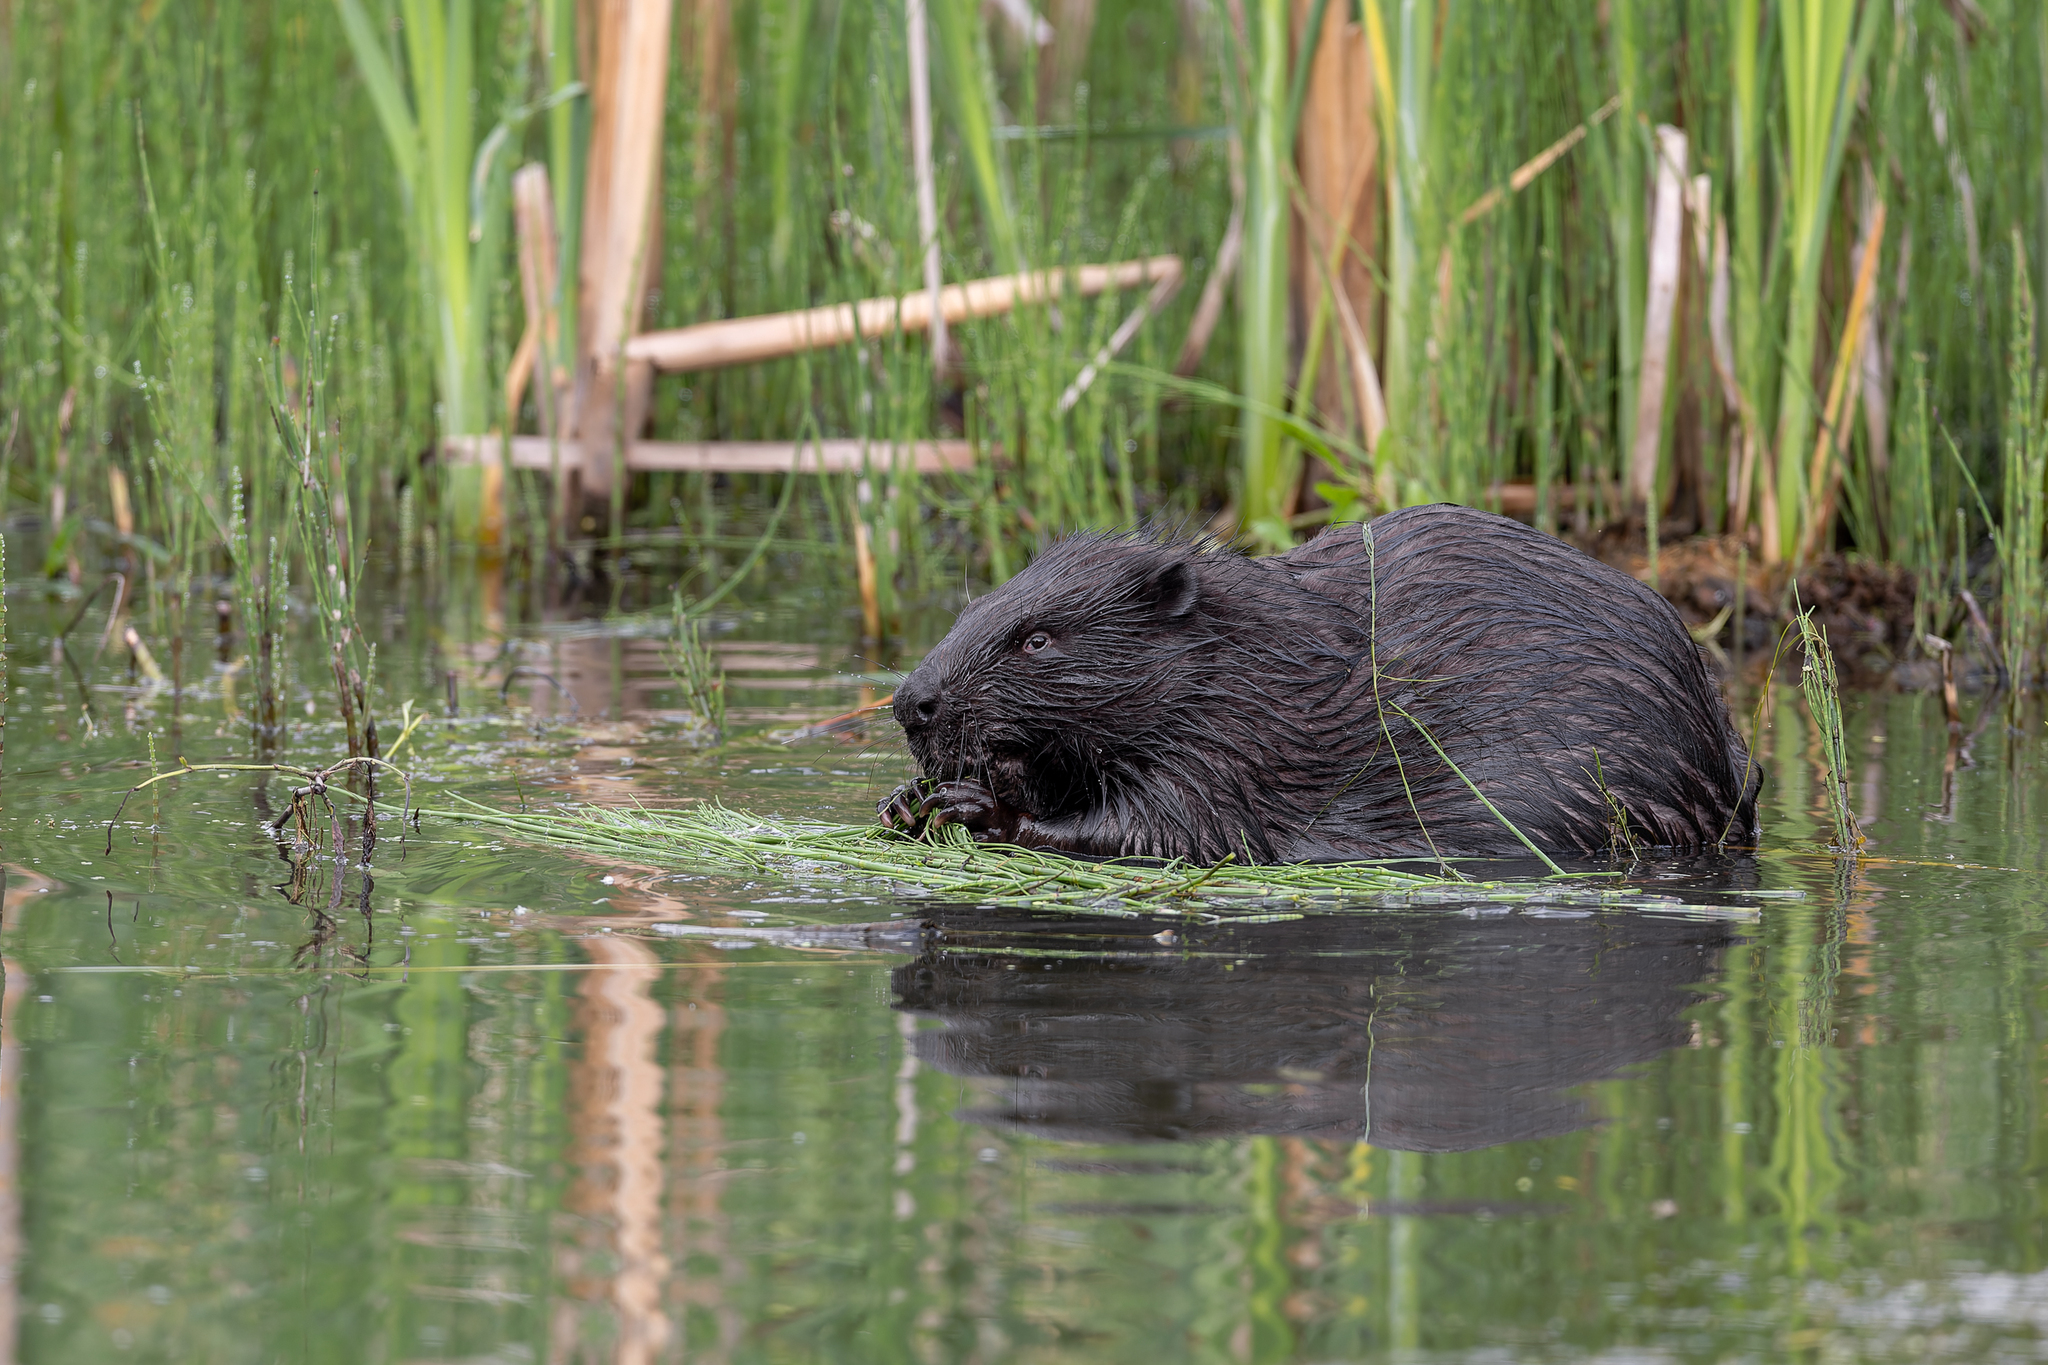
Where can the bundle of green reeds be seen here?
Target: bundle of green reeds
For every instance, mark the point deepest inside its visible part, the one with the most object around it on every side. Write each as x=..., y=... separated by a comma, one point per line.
x=950, y=866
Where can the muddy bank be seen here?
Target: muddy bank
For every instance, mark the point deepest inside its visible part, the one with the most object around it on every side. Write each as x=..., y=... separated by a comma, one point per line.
x=1868, y=609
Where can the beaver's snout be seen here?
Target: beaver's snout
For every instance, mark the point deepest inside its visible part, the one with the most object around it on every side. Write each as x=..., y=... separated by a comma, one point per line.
x=917, y=702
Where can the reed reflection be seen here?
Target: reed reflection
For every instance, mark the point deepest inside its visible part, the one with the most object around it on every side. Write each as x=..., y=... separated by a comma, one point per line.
x=1426, y=1031
x=615, y=1106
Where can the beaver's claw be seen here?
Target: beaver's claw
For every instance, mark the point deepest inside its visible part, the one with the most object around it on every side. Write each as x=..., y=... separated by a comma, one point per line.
x=924, y=805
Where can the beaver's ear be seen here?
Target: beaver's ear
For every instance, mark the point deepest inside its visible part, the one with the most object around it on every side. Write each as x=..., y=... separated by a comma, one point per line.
x=1172, y=590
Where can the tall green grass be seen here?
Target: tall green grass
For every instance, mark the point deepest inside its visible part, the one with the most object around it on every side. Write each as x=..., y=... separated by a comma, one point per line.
x=2023, y=579
x=130, y=339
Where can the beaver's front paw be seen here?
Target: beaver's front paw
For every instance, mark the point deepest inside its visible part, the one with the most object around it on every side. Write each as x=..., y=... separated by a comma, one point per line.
x=924, y=805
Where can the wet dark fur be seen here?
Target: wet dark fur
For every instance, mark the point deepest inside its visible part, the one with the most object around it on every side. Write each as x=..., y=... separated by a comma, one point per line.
x=1191, y=702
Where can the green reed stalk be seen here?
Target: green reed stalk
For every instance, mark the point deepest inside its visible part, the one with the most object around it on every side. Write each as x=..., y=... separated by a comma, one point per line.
x=1914, y=542
x=1402, y=42
x=1825, y=47
x=429, y=126
x=786, y=31
x=2017, y=536
x=1626, y=227
x=1269, y=1274
x=962, y=55
x=181, y=401
x=1734, y=1086
x=1803, y=1174
x=566, y=137
x=1262, y=338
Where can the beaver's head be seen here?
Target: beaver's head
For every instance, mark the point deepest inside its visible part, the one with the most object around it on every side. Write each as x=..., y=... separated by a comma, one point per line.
x=1065, y=681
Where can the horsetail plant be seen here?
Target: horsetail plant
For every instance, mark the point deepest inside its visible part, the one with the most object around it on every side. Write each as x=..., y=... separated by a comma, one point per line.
x=1823, y=693
x=312, y=442
x=695, y=671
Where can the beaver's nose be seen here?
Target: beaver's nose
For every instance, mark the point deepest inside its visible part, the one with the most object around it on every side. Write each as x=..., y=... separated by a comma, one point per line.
x=917, y=702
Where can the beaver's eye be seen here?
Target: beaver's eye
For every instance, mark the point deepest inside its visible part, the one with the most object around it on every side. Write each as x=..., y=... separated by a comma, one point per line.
x=1036, y=643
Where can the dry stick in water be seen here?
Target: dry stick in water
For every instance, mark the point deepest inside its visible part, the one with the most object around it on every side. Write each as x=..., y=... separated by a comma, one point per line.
x=621, y=215
x=870, y=586
x=1721, y=338
x=1946, y=652
x=533, y=215
x=769, y=336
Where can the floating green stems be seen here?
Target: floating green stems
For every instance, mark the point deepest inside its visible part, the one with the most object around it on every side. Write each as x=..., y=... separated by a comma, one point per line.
x=1824, y=699
x=715, y=839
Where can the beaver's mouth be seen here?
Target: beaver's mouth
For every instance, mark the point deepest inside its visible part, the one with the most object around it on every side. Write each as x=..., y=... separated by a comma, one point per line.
x=1016, y=776
x=1009, y=778
x=1037, y=774
x=1047, y=780
x=946, y=752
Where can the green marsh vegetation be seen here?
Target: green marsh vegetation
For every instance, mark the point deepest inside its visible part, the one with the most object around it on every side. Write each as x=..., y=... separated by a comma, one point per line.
x=169, y=167
x=227, y=395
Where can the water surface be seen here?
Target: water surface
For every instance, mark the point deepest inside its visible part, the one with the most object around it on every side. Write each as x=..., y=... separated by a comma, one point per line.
x=479, y=1102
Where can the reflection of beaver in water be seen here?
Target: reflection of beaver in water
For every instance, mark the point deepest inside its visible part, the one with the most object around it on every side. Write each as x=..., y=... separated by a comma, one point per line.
x=1427, y=1031
x=1144, y=696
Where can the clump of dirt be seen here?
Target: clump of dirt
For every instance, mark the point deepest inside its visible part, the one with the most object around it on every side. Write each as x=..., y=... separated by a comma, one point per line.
x=1866, y=608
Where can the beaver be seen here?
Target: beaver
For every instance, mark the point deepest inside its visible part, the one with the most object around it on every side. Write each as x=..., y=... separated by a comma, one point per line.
x=1159, y=696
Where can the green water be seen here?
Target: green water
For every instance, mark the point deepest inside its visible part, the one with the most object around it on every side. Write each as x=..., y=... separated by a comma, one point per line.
x=475, y=1102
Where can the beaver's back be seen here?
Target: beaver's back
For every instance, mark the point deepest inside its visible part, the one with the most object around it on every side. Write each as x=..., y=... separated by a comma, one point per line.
x=1545, y=676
